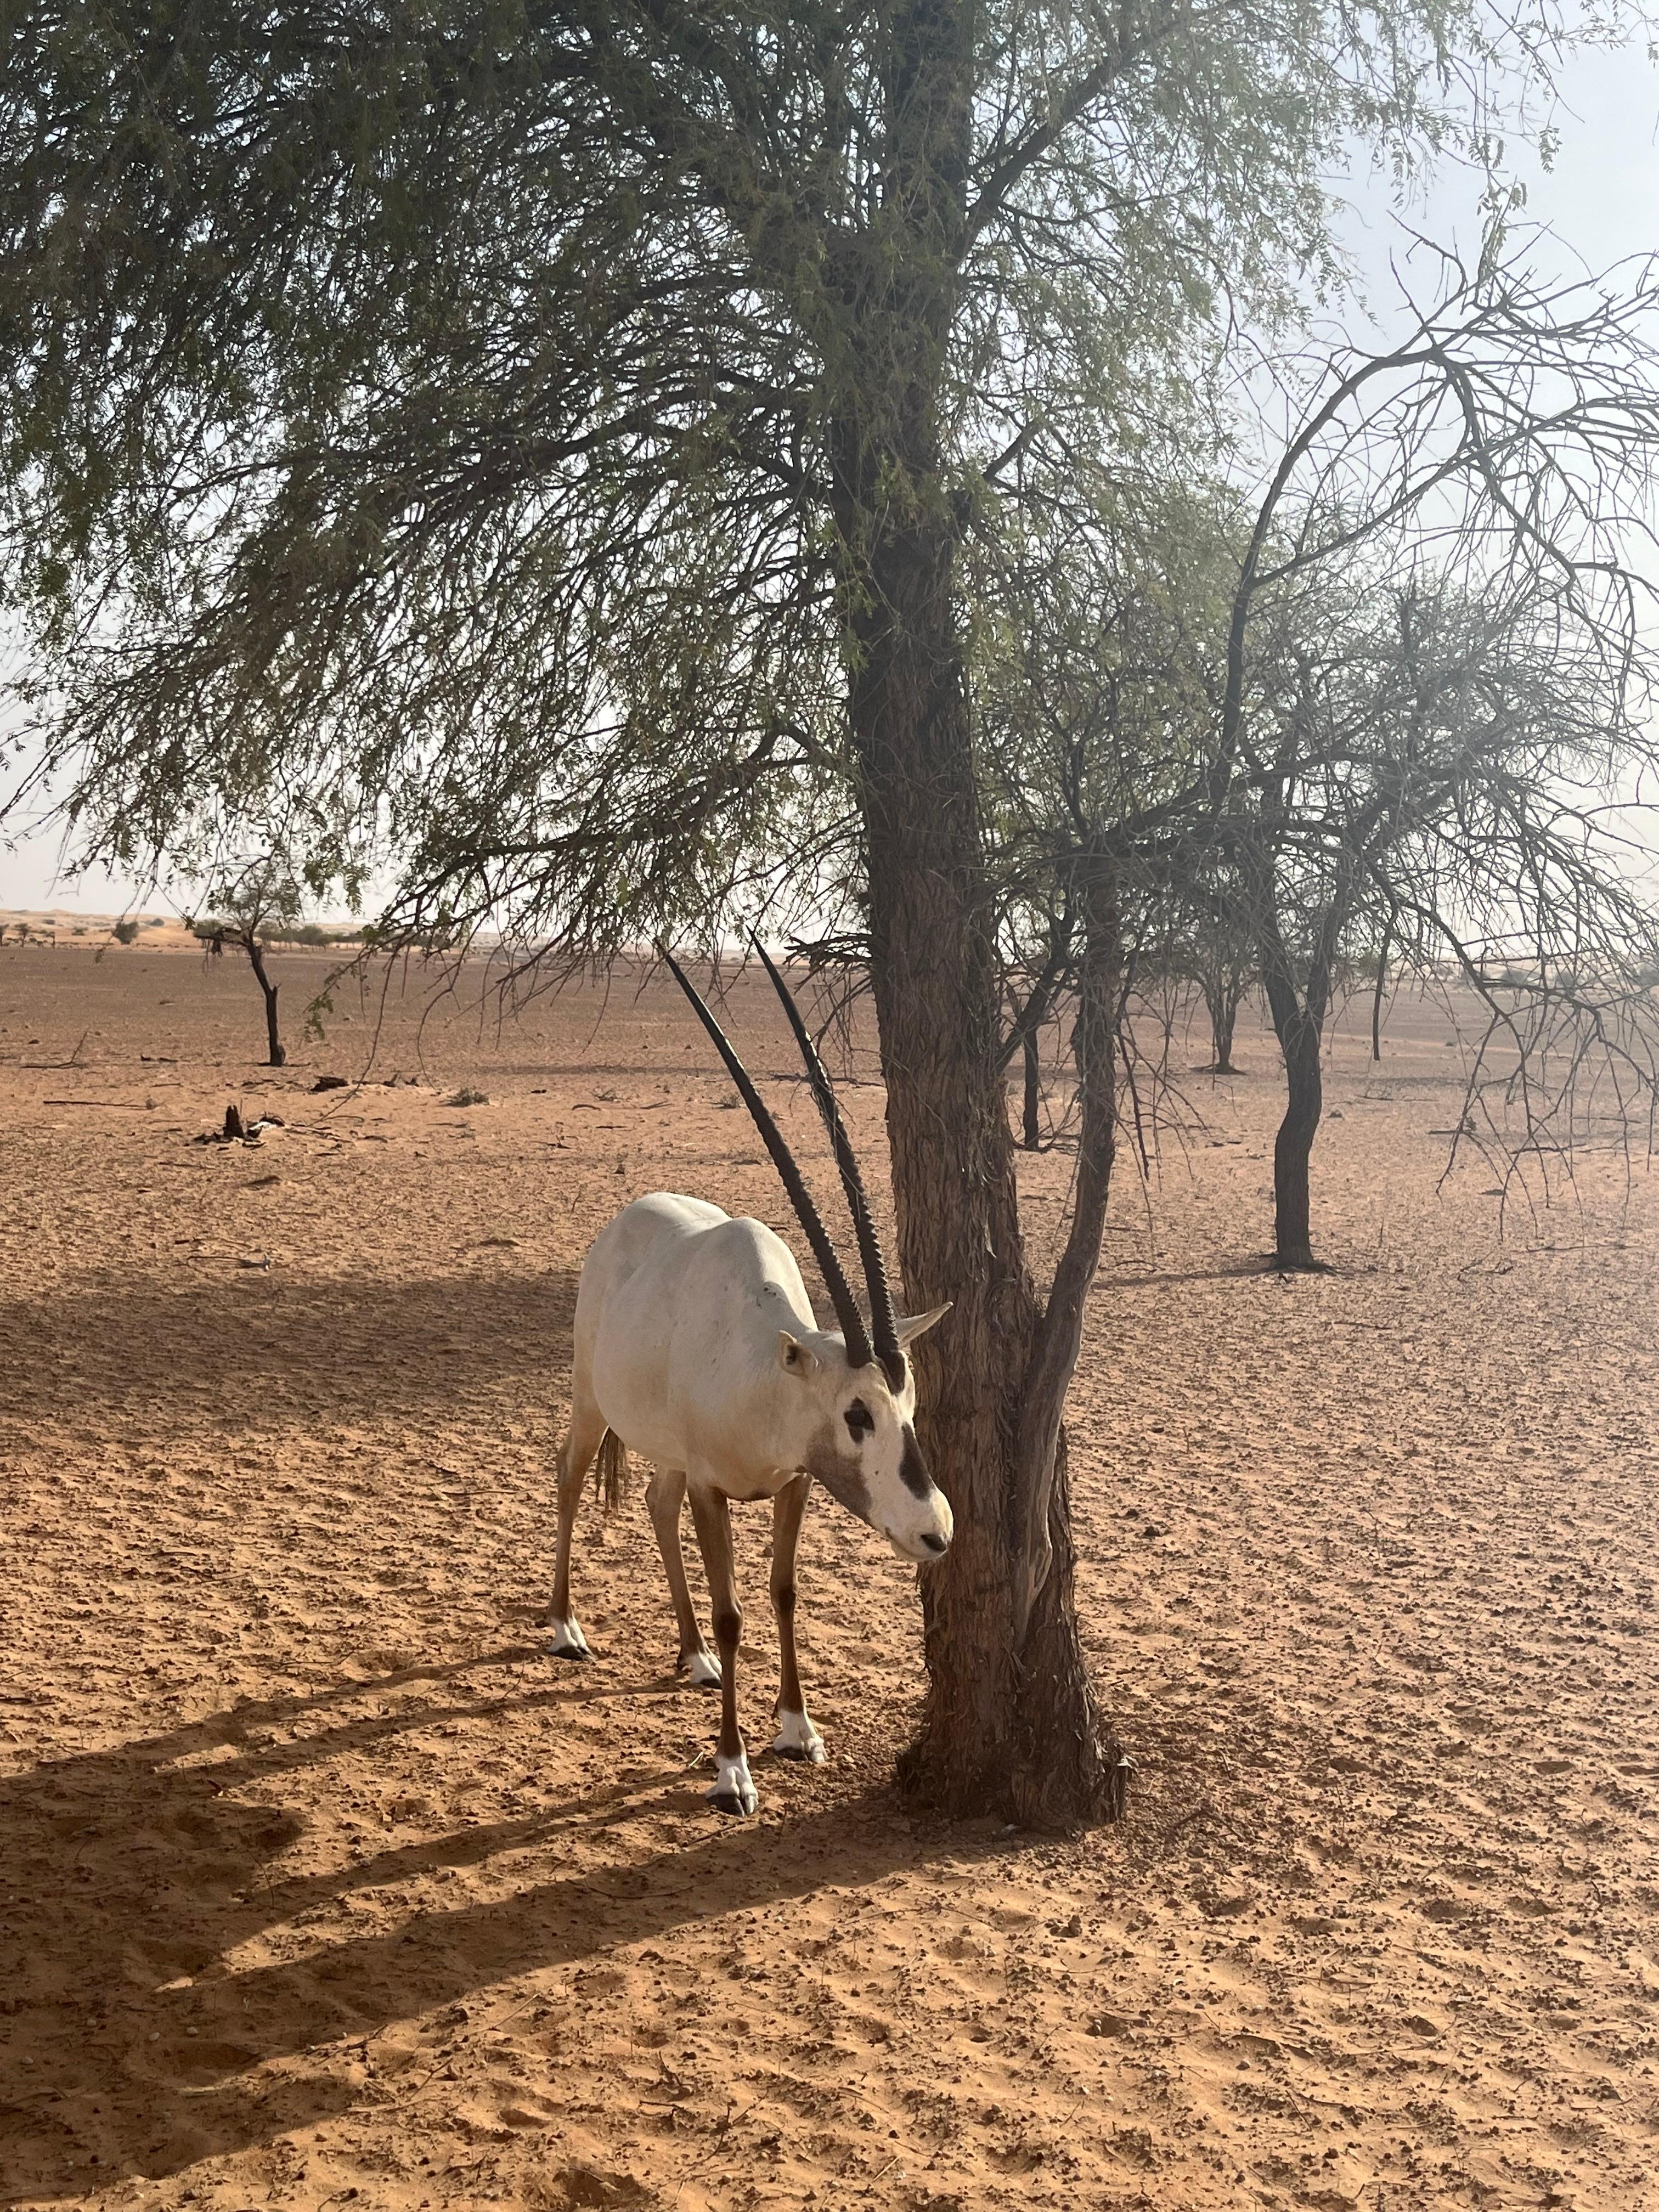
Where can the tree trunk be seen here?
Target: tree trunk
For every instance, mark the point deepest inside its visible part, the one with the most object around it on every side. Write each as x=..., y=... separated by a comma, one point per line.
x=1223, y=1015
x=256, y=955
x=1377, y=995
x=1032, y=1117
x=1294, y=1146
x=1299, y=1013
x=1299, y=1023
x=1010, y=1725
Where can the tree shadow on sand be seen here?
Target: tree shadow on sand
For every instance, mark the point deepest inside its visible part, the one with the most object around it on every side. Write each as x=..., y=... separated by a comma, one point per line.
x=130, y=1878
x=274, y=1351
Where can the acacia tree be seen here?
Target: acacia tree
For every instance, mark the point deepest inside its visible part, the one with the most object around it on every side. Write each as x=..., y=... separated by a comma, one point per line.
x=243, y=904
x=551, y=434
x=1447, y=788
x=1398, y=725
x=1220, y=955
x=1438, y=665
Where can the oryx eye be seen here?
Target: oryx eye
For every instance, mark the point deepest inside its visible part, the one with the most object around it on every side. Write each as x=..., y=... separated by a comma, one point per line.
x=860, y=1420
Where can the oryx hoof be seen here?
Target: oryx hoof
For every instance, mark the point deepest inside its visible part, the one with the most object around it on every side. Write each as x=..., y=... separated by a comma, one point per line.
x=702, y=1669
x=568, y=1642
x=733, y=1791
x=796, y=1738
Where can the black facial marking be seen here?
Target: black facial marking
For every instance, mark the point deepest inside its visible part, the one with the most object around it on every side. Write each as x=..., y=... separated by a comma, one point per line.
x=860, y=1420
x=913, y=1467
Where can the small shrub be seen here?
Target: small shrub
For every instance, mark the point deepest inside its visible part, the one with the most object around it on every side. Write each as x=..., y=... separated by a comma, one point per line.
x=124, y=931
x=307, y=932
x=466, y=1096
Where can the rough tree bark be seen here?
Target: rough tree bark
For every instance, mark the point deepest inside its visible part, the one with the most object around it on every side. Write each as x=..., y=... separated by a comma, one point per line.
x=1009, y=1722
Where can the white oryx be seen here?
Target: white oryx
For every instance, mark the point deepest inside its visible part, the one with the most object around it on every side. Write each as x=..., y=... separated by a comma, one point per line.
x=696, y=1347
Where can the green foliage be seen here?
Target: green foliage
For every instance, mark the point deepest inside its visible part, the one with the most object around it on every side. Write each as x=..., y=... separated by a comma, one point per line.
x=126, y=933
x=311, y=933
x=490, y=432
x=257, y=898
x=317, y=1013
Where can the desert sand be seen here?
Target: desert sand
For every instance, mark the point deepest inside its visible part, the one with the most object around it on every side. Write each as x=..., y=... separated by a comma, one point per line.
x=321, y=1884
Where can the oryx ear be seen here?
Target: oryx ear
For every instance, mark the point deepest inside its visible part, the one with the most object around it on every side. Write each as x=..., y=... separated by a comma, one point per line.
x=908, y=1326
x=793, y=1357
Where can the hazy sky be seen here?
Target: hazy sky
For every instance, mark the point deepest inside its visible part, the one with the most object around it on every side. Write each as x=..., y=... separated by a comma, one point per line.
x=1600, y=201
x=1600, y=198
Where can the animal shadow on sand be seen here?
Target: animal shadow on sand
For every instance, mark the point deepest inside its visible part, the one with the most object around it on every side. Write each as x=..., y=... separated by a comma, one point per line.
x=131, y=1876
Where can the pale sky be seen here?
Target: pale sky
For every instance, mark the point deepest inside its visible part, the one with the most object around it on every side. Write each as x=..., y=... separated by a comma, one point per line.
x=1601, y=198
x=1600, y=201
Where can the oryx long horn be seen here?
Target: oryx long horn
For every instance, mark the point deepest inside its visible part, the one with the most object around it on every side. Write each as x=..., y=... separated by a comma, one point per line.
x=859, y=1352
x=883, y=1325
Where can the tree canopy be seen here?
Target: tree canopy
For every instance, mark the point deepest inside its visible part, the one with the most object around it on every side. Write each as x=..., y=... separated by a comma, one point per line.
x=464, y=419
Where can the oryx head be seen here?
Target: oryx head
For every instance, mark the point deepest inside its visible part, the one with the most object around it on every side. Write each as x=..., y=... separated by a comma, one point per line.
x=863, y=1448
x=861, y=1387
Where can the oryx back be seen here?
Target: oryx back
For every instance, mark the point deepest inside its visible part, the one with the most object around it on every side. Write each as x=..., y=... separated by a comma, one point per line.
x=678, y=1315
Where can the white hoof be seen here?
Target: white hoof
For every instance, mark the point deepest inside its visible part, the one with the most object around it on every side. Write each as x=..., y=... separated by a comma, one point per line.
x=702, y=1671
x=734, y=1789
x=568, y=1642
x=796, y=1738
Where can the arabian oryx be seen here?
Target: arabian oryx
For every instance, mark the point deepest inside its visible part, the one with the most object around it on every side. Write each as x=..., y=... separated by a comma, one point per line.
x=696, y=1347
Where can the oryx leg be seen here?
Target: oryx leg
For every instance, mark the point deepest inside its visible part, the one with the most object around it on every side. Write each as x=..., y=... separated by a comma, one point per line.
x=582, y=1439
x=796, y=1738
x=665, y=1494
x=734, y=1789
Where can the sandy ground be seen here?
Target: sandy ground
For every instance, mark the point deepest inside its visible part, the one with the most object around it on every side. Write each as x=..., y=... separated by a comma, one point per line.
x=320, y=1884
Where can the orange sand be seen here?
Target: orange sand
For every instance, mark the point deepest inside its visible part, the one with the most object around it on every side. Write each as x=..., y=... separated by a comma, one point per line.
x=321, y=1885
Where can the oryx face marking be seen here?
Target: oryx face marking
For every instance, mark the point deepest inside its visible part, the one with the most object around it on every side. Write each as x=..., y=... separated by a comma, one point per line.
x=865, y=1455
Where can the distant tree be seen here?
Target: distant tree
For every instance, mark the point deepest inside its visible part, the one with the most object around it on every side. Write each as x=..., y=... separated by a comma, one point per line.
x=1439, y=666
x=1389, y=711
x=248, y=905
x=1216, y=948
